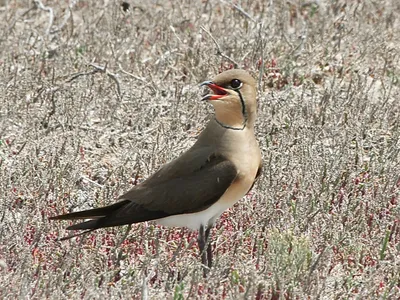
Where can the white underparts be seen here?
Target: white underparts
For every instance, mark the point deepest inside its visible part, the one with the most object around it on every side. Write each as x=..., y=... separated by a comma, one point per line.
x=208, y=216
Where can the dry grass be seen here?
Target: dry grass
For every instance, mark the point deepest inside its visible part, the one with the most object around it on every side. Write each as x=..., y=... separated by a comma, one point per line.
x=95, y=99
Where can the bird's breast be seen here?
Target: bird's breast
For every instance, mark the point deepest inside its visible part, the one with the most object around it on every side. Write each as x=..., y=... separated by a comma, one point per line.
x=241, y=148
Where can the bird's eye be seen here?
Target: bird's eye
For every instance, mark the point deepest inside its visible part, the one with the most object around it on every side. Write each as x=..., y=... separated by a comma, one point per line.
x=236, y=84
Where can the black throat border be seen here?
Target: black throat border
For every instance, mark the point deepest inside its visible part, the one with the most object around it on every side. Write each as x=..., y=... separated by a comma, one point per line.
x=244, y=113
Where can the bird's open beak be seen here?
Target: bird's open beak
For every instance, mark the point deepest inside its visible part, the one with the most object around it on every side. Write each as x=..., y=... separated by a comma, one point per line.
x=219, y=92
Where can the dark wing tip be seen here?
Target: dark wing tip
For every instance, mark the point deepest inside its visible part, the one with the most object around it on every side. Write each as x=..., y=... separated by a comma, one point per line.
x=89, y=225
x=94, y=213
x=59, y=217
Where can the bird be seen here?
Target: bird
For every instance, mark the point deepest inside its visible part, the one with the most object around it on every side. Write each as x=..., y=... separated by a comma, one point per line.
x=194, y=189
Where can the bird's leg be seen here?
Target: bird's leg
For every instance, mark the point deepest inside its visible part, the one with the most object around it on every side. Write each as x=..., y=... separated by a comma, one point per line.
x=208, y=246
x=203, y=251
x=202, y=244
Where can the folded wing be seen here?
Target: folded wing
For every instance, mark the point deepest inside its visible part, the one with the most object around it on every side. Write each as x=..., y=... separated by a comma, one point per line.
x=163, y=196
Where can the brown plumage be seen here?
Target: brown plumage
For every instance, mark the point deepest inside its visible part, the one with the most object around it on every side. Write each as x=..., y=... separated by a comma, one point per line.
x=195, y=188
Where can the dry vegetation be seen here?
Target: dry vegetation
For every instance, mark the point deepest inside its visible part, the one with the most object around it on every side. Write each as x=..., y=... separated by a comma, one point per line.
x=93, y=99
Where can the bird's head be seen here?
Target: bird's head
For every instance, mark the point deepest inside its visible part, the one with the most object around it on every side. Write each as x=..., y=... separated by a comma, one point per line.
x=233, y=98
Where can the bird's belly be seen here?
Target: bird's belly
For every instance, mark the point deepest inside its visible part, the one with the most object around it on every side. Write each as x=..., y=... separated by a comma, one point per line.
x=207, y=217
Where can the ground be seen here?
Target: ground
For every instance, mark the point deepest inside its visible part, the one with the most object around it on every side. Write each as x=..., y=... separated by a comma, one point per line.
x=97, y=95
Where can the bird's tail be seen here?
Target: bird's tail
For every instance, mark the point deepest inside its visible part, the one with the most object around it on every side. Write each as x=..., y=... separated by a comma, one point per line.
x=95, y=215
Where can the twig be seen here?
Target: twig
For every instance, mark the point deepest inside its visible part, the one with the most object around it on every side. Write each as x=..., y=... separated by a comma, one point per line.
x=22, y=148
x=128, y=228
x=118, y=245
x=311, y=3
x=109, y=74
x=76, y=75
x=219, y=51
x=145, y=288
x=84, y=178
x=12, y=25
x=66, y=17
x=240, y=9
x=130, y=74
x=3, y=264
x=174, y=32
x=141, y=79
x=303, y=38
x=64, y=22
x=261, y=70
x=287, y=41
x=40, y=5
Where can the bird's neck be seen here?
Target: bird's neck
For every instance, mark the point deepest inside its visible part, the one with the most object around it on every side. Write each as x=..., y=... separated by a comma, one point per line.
x=234, y=119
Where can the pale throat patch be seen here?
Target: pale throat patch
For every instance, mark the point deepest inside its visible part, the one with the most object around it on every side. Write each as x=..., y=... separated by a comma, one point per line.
x=224, y=119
